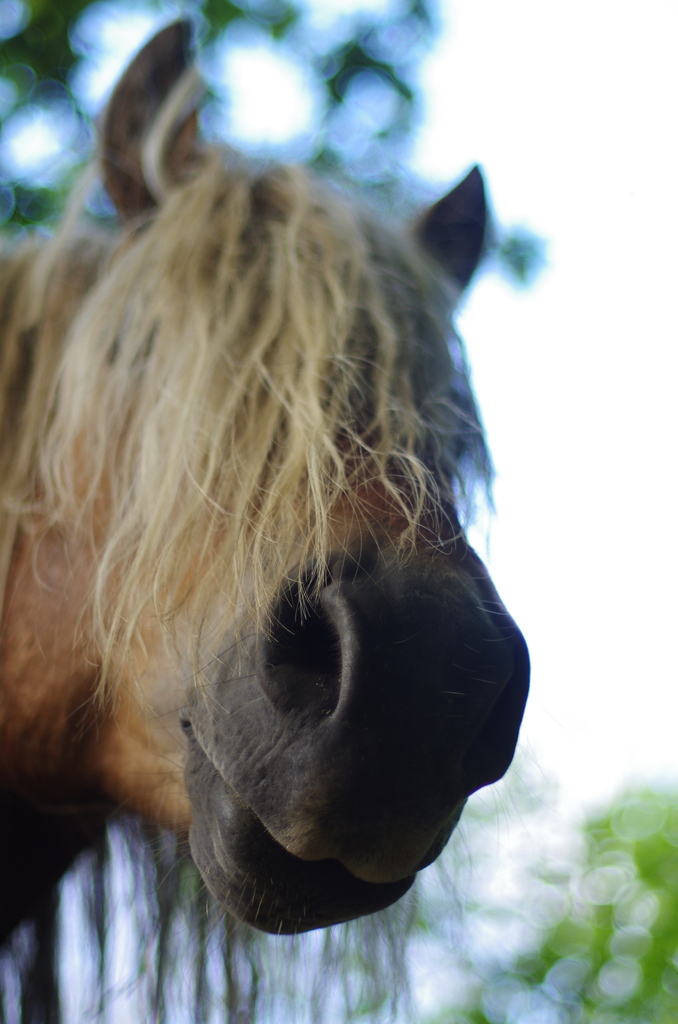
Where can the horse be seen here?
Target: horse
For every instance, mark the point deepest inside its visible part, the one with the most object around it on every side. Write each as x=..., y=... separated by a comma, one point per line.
x=239, y=446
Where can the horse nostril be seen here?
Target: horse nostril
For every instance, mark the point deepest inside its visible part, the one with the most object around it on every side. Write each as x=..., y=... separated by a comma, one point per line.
x=300, y=658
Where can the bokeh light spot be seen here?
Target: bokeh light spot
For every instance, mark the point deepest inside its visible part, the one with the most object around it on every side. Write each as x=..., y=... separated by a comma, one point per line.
x=639, y=819
x=271, y=98
x=630, y=943
x=14, y=16
x=35, y=142
x=619, y=980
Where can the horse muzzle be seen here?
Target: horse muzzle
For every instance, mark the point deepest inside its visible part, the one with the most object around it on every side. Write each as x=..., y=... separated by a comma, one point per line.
x=330, y=757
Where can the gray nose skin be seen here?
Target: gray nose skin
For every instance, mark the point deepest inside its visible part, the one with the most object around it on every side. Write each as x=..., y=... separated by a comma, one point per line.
x=338, y=748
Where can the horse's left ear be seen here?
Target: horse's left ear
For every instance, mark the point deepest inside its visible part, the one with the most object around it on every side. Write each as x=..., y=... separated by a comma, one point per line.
x=131, y=115
x=453, y=229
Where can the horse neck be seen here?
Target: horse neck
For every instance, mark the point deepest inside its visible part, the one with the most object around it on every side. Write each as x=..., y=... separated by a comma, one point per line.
x=60, y=743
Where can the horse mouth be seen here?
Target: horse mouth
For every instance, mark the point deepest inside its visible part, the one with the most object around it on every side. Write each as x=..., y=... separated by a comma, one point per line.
x=253, y=877
x=308, y=811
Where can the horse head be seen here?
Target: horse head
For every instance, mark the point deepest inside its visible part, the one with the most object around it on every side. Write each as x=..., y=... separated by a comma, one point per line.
x=273, y=431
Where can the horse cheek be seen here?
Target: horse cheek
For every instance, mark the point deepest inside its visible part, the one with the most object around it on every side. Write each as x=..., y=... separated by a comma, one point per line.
x=47, y=675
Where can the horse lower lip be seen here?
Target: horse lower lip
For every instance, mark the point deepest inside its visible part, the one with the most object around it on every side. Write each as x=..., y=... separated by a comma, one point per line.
x=237, y=798
x=256, y=879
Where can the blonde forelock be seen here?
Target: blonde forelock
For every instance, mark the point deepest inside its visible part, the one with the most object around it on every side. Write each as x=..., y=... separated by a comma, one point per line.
x=244, y=366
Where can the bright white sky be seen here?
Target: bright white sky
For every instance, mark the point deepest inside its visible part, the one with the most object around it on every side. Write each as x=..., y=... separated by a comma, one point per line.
x=570, y=108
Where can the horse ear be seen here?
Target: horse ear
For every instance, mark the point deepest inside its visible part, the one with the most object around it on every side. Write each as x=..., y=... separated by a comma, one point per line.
x=453, y=229
x=131, y=114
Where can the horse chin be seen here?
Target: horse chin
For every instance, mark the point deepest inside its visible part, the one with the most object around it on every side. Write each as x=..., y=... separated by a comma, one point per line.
x=256, y=879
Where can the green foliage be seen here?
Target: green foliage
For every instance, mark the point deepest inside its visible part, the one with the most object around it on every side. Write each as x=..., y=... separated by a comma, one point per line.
x=521, y=256
x=363, y=68
x=43, y=45
x=611, y=954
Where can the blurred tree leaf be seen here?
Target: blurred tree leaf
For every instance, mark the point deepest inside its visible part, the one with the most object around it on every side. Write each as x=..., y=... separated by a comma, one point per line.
x=364, y=69
x=521, y=256
x=38, y=62
x=612, y=957
x=43, y=45
x=342, y=64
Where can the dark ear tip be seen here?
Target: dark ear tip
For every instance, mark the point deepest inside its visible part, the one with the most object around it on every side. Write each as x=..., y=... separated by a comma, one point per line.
x=453, y=230
x=475, y=175
x=176, y=37
x=163, y=58
x=185, y=30
x=173, y=45
x=471, y=189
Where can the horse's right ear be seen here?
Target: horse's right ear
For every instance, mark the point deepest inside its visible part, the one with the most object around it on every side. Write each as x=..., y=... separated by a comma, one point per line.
x=454, y=229
x=131, y=114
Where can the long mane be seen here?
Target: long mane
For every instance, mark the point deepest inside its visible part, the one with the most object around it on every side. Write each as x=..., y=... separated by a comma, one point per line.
x=256, y=354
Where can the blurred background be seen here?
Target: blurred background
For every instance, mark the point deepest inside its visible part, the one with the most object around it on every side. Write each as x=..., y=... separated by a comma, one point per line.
x=560, y=904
